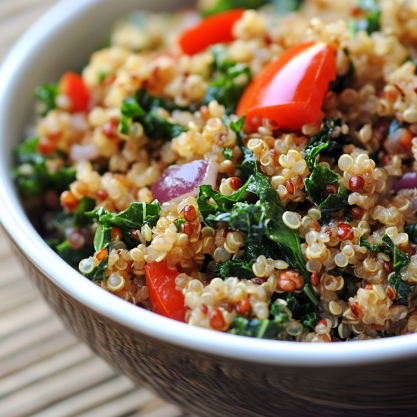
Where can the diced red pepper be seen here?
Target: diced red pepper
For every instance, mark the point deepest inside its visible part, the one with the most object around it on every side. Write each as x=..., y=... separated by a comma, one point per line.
x=290, y=90
x=72, y=85
x=217, y=28
x=165, y=299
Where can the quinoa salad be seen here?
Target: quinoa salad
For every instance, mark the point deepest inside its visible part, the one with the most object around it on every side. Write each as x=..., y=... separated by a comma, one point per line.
x=247, y=167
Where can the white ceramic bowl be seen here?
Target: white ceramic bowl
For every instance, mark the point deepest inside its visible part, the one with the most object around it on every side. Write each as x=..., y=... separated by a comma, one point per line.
x=209, y=373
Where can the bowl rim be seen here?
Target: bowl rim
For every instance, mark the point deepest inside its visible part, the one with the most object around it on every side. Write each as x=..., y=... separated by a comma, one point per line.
x=166, y=330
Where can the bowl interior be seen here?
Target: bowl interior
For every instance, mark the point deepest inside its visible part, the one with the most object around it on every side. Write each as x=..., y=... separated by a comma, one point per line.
x=63, y=40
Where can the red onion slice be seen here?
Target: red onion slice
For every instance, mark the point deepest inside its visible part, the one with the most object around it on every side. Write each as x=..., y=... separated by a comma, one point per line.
x=181, y=181
x=408, y=181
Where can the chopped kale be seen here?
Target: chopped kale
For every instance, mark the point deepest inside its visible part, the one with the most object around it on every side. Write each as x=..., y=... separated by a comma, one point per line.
x=303, y=310
x=320, y=177
x=349, y=288
x=371, y=22
x=46, y=94
x=99, y=272
x=411, y=230
x=323, y=143
x=400, y=261
x=383, y=333
x=263, y=219
x=230, y=81
x=179, y=223
x=371, y=248
x=144, y=109
x=32, y=174
x=238, y=125
x=131, y=219
x=224, y=204
x=344, y=81
x=73, y=256
x=273, y=328
x=227, y=153
x=224, y=5
x=242, y=267
x=130, y=110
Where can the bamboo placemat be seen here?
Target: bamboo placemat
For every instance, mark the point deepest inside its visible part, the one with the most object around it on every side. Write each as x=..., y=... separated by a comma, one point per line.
x=44, y=371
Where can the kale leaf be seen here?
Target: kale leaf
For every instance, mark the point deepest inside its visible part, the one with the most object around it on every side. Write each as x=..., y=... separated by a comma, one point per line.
x=349, y=288
x=273, y=328
x=320, y=177
x=73, y=256
x=224, y=5
x=371, y=248
x=99, y=272
x=263, y=219
x=323, y=143
x=227, y=153
x=46, y=94
x=224, y=204
x=32, y=174
x=132, y=218
x=411, y=230
x=230, y=81
x=242, y=267
x=400, y=261
x=371, y=22
x=303, y=310
x=143, y=108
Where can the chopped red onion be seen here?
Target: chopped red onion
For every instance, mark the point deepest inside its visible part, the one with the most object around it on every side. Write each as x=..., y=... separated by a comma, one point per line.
x=84, y=152
x=408, y=181
x=181, y=181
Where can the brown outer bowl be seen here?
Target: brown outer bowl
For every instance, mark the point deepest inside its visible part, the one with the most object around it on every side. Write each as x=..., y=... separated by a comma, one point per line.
x=207, y=373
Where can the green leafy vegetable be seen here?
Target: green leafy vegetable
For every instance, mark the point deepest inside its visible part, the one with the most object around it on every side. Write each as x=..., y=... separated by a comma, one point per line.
x=72, y=256
x=242, y=267
x=238, y=125
x=230, y=81
x=273, y=328
x=401, y=260
x=99, y=272
x=227, y=153
x=349, y=289
x=303, y=310
x=371, y=248
x=179, y=223
x=323, y=143
x=411, y=230
x=371, y=22
x=132, y=218
x=224, y=5
x=32, y=174
x=144, y=109
x=320, y=177
x=344, y=81
x=256, y=220
x=46, y=94
x=130, y=110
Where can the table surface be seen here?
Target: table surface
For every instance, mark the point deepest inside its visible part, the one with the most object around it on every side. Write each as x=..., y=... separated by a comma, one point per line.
x=44, y=371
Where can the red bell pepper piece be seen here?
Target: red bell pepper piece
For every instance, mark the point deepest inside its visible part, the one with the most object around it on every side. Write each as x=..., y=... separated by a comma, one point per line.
x=165, y=299
x=213, y=29
x=290, y=90
x=72, y=85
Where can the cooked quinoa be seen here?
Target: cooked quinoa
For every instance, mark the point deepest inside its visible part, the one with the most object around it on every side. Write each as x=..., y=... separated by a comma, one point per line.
x=305, y=234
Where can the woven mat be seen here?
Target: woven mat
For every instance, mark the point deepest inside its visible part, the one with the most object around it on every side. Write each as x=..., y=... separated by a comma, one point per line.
x=44, y=371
